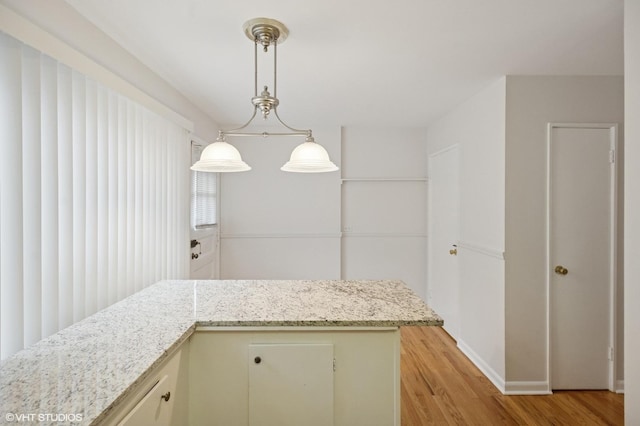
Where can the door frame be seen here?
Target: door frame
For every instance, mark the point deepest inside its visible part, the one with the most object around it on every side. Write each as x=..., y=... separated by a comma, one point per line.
x=613, y=227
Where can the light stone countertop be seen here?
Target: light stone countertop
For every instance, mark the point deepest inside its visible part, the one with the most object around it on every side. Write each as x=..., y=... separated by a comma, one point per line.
x=90, y=367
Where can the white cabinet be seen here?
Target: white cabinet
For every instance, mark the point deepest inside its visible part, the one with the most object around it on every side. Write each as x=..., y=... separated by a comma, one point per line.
x=161, y=399
x=290, y=384
x=264, y=376
x=295, y=382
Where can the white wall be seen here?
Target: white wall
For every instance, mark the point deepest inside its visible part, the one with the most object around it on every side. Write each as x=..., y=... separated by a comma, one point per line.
x=63, y=22
x=632, y=211
x=478, y=127
x=532, y=102
x=384, y=205
x=279, y=225
x=367, y=221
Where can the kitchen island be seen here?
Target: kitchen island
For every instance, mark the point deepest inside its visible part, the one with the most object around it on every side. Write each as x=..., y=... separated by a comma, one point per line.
x=218, y=340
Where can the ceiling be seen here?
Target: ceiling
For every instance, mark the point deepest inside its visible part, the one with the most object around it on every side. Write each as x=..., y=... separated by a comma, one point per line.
x=362, y=62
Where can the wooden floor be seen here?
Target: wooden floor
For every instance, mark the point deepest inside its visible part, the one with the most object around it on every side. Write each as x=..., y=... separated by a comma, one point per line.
x=440, y=386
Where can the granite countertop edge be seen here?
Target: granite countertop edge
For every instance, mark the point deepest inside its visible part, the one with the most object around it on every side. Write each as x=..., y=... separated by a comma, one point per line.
x=319, y=323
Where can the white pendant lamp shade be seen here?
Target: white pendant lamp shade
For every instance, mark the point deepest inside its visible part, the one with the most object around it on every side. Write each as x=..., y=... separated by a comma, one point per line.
x=220, y=157
x=309, y=157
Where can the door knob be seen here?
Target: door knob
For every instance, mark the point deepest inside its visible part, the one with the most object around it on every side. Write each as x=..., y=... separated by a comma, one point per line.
x=561, y=270
x=453, y=252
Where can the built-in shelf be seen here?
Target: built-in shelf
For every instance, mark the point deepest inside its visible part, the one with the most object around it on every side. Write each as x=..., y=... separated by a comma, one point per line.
x=374, y=199
x=281, y=235
x=392, y=179
x=349, y=234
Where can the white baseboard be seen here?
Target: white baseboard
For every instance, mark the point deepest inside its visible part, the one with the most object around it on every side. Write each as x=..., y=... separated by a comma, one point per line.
x=514, y=387
x=485, y=368
x=542, y=388
x=506, y=388
x=527, y=388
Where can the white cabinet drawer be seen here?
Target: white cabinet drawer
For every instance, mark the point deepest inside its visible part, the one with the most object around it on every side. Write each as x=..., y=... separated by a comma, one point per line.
x=161, y=399
x=154, y=408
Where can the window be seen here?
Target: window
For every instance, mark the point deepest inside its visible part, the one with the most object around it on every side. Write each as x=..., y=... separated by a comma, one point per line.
x=204, y=198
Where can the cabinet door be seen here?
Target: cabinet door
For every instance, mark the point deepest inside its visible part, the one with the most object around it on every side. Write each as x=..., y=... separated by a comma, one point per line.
x=290, y=384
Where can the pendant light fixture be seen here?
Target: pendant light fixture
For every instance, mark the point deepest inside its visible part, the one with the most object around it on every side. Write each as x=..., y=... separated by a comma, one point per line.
x=308, y=157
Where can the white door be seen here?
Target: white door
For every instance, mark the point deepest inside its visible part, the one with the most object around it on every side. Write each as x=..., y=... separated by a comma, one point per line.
x=444, y=218
x=204, y=208
x=581, y=254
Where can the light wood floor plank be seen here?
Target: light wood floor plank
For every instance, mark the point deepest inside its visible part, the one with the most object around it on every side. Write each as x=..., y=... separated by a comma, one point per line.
x=440, y=386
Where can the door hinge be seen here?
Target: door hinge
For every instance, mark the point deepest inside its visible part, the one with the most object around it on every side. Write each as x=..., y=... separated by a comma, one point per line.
x=612, y=156
x=610, y=353
x=334, y=365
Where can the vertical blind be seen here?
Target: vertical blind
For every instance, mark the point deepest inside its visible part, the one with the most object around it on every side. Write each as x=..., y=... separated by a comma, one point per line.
x=94, y=196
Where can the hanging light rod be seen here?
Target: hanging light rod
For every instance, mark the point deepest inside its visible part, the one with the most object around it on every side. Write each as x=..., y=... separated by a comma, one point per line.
x=221, y=156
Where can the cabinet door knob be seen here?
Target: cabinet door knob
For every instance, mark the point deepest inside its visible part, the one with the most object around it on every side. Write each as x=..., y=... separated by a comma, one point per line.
x=257, y=360
x=166, y=396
